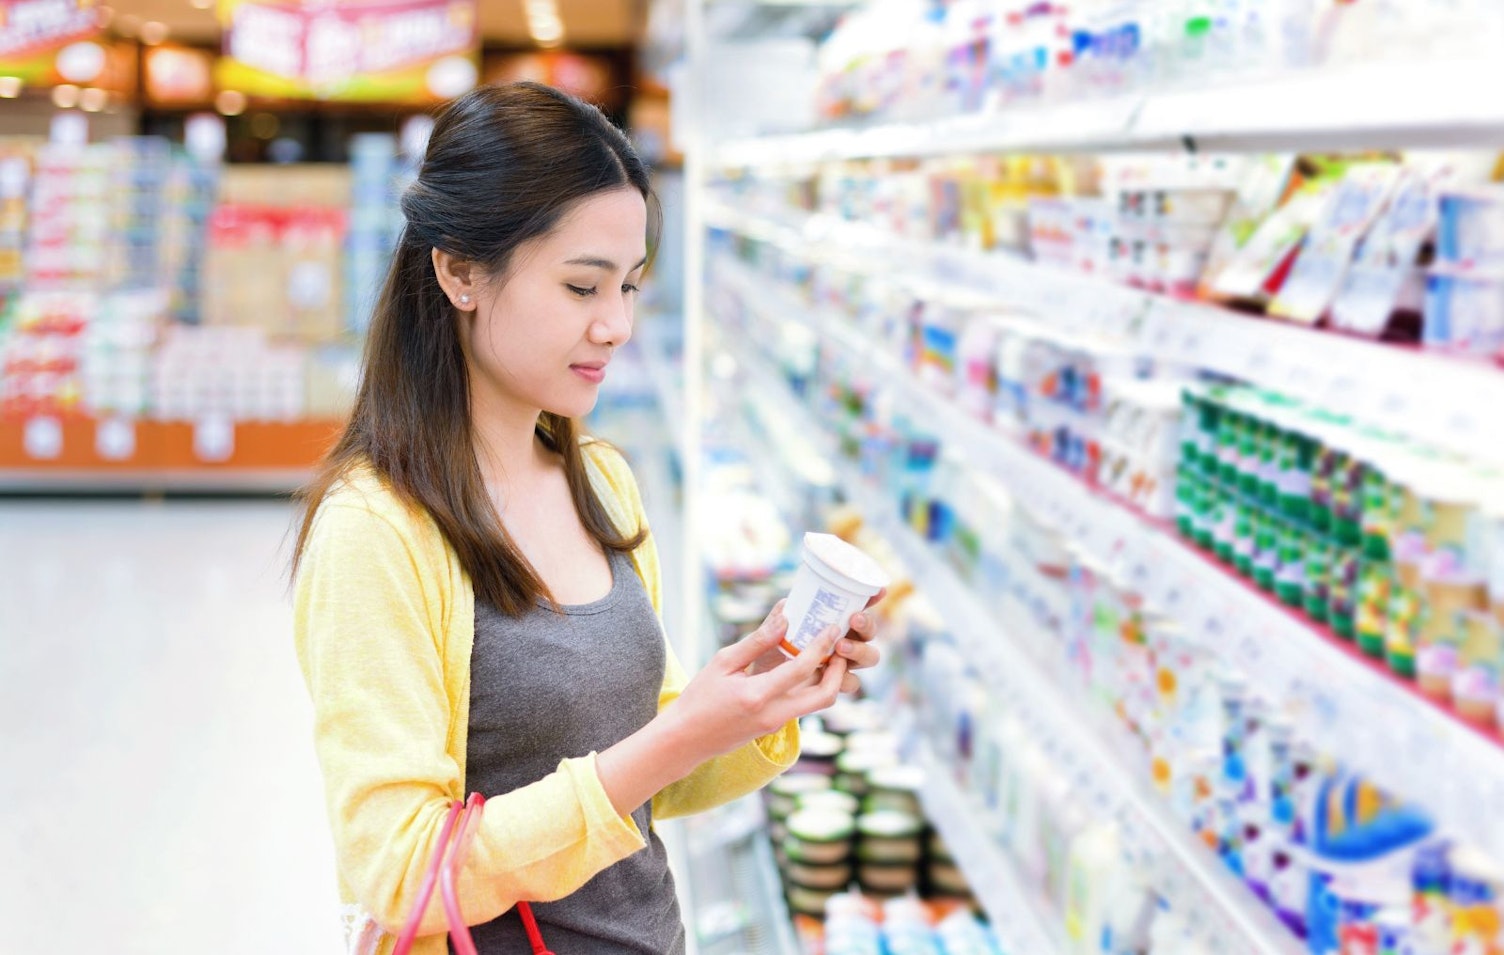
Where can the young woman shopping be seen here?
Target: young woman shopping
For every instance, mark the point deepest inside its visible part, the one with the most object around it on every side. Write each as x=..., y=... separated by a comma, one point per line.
x=476, y=587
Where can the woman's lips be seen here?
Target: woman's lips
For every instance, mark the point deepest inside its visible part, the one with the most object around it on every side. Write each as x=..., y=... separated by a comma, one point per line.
x=594, y=374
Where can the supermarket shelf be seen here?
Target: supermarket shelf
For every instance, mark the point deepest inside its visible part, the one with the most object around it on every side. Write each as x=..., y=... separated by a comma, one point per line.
x=1367, y=106
x=1188, y=870
x=725, y=861
x=1443, y=400
x=81, y=455
x=271, y=481
x=994, y=880
x=671, y=832
x=1351, y=704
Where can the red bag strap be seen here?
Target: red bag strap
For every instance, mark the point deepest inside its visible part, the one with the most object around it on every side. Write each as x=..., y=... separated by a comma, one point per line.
x=454, y=860
x=530, y=923
x=425, y=891
x=458, y=851
x=449, y=856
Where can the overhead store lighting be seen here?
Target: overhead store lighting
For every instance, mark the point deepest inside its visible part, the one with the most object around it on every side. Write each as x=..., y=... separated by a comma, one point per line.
x=93, y=100
x=230, y=102
x=10, y=87
x=153, y=32
x=544, y=22
x=81, y=62
x=65, y=96
x=201, y=4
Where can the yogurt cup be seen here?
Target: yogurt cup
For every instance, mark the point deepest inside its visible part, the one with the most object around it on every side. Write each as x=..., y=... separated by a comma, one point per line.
x=835, y=580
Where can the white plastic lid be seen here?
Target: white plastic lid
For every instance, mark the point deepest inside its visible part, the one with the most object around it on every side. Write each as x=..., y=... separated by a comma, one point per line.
x=843, y=560
x=898, y=779
x=795, y=784
x=821, y=825
x=889, y=824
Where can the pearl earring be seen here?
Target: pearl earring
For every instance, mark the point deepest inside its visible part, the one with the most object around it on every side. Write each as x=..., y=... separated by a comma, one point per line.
x=464, y=300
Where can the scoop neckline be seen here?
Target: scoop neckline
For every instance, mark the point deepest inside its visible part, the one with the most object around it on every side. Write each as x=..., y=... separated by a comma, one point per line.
x=600, y=604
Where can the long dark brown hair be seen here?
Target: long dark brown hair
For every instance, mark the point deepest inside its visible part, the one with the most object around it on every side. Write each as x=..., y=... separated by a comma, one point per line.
x=504, y=164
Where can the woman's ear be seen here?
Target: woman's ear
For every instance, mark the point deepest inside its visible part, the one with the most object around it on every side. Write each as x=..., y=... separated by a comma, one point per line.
x=457, y=278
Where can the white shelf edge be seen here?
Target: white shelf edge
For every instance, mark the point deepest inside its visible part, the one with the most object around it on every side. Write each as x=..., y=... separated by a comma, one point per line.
x=993, y=876
x=782, y=920
x=1431, y=397
x=1344, y=700
x=1384, y=104
x=205, y=480
x=671, y=832
x=1021, y=674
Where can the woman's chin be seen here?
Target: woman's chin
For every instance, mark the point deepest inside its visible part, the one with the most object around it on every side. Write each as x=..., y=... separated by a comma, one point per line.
x=576, y=407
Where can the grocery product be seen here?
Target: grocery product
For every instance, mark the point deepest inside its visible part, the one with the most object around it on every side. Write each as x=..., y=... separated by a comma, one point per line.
x=835, y=580
x=819, y=836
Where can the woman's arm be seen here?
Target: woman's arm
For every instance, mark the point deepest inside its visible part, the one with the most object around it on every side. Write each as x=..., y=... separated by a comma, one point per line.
x=726, y=776
x=371, y=626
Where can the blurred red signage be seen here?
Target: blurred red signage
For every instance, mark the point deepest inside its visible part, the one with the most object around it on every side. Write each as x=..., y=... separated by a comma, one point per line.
x=30, y=27
x=590, y=77
x=356, y=49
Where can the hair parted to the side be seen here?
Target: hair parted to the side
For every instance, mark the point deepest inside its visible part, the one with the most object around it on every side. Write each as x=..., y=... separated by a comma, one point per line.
x=504, y=165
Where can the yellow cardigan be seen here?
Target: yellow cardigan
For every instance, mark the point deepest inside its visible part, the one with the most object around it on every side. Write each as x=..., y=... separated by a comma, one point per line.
x=384, y=620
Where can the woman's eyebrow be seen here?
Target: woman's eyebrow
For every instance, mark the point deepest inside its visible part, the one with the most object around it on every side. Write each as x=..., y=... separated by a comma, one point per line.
x=595, y=262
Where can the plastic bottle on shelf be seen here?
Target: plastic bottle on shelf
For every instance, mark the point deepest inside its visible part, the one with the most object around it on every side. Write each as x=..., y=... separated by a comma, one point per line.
x=1453, y=585
x=1362, y=854
x=1010, y=739
x=1125, y=929
x=1430, y=913
x=1025, y=811
x=1064, y=817
x=1475, y=893
x=1095, y=878
x=1289, y=879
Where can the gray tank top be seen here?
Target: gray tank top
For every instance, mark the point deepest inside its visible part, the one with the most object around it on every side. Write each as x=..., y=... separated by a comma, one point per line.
x=552, y=685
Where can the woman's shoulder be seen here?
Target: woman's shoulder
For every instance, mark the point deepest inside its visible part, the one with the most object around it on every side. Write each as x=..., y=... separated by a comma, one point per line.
x=606, y=456
x=610, y=470
x=363, y=497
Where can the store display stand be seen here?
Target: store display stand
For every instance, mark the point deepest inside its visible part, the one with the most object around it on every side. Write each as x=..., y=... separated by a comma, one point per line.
x=1344, y=692
x=1186, y=869
x=1441, y=399
x=213, y=455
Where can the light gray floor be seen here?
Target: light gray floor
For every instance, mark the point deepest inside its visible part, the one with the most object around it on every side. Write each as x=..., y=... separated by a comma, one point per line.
x=158, y=788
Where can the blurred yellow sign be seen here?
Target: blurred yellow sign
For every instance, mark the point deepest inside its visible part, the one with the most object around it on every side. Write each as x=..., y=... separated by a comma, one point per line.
x=368, y=50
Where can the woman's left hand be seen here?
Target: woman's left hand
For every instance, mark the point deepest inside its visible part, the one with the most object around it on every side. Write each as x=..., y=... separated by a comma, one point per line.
x=856, y=646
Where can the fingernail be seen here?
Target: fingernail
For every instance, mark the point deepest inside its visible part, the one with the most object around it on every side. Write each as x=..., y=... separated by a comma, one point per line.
x=859, y=620
x=846, y=646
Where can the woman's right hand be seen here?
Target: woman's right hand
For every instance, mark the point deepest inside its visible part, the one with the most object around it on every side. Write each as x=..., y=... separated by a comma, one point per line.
x=729, y=703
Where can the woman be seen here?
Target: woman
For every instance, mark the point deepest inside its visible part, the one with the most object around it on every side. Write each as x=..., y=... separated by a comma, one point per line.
x=476, y=587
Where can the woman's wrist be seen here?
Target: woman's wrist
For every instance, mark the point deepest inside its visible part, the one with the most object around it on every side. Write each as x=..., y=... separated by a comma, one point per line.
x=656, y=756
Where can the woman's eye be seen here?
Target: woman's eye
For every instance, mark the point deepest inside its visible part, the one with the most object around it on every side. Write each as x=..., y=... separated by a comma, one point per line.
x=581, y=292
x=629, y=288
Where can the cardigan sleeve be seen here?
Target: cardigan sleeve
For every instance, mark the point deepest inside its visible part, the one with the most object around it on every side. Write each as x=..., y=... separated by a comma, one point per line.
x=369, y=627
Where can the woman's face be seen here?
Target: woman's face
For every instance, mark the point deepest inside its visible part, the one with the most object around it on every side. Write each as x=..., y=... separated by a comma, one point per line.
x=541, y=338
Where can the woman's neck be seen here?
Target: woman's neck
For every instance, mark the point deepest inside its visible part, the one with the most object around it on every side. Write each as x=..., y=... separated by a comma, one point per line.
x=506, y=443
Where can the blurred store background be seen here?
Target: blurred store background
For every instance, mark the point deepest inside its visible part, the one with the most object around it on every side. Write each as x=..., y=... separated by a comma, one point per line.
x=1153, y=345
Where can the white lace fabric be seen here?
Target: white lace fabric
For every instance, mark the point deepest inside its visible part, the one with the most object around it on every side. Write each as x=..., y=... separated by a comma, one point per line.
x=362, y=932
